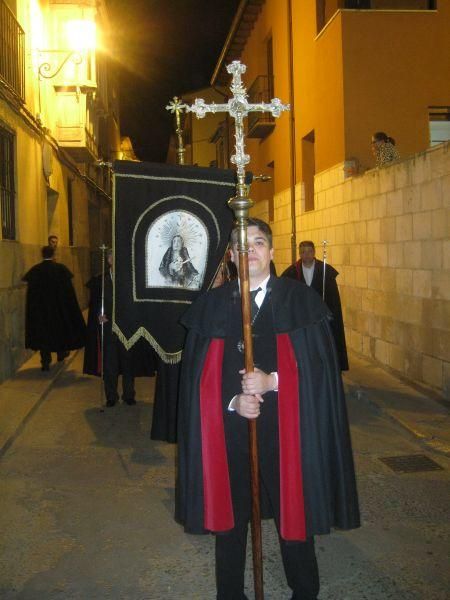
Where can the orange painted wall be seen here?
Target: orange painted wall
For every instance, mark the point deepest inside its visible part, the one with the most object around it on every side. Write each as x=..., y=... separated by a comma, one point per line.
x=328, y=108
x=318, y=89
x=272, y=21
x=366, y=70
x=396, y=65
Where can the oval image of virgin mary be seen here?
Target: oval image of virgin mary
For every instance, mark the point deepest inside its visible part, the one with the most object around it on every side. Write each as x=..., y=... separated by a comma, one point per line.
x=176, y=251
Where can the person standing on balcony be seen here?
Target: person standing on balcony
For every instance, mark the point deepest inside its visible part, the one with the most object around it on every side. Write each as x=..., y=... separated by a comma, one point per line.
x=383, y=149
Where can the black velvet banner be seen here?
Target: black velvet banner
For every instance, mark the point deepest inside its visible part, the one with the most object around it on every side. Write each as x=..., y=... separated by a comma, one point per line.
x=171, y=226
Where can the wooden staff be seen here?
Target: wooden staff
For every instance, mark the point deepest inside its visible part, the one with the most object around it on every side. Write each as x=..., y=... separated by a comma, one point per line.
x=238, y=107
x=241, y=204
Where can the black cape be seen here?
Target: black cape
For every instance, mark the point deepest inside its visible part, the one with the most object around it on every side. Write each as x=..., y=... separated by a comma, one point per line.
x=332, y=300
x=165, y=402
x=53, y=320
x=330, y=496
x=143, y=355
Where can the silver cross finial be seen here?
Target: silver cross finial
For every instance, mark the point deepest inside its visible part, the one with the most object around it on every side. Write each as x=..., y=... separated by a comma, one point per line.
x=238, y=107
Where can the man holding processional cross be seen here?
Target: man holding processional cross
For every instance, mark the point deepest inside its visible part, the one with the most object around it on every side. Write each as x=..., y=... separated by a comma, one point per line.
x=293, y=400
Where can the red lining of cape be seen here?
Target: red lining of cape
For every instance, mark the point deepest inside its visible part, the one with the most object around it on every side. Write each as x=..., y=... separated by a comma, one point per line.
x=218, y=508
x=292, y=505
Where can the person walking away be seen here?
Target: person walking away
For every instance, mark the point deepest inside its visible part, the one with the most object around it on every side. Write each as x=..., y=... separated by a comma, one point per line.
x=53, y=319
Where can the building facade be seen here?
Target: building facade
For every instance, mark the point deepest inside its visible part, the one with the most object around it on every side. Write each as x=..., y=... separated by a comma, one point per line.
x=59, y=122
x=350, y=68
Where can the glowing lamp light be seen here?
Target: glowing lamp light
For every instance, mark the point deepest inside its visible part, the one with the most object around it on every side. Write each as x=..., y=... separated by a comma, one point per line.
x=79, y=40
x=80, y=35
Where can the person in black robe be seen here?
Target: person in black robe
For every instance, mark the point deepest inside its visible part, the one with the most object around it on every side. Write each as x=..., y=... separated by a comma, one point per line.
x=295, y=394
x=309, y=267
x=139, y=361
x=53, y=319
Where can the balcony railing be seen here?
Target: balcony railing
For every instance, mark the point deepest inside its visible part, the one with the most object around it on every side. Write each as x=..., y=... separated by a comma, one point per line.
x=390, y=4
x=12, y=52
x=260, y=124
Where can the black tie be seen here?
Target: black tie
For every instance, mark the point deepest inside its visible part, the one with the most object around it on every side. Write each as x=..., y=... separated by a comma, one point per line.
x=254, y=307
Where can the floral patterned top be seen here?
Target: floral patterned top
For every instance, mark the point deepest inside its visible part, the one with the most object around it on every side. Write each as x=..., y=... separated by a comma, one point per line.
x=386, y=153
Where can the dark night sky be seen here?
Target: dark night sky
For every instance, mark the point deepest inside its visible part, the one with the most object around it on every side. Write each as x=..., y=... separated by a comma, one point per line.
x=164, y=48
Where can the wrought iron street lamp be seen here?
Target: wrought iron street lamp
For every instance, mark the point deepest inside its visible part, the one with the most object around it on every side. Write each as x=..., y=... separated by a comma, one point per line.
x=80, y=37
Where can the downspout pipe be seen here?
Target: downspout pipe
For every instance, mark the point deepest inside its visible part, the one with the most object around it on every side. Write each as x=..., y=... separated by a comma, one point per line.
x=227, y=119
x=292, y=144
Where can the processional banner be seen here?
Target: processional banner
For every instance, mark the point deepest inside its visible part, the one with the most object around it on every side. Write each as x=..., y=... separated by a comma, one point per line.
x=171, y=226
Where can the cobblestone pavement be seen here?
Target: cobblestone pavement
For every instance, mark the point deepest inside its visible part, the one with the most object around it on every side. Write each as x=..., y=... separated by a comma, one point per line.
x=87, y=501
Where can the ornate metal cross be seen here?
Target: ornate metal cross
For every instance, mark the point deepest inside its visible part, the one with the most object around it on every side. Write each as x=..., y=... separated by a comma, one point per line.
x=238, y=107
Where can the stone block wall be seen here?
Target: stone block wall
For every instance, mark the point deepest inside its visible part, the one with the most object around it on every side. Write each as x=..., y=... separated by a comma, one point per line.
x=388, y=234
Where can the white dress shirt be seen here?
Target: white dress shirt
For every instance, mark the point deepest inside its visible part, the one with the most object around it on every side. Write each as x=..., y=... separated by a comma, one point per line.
x=308, y=273
x=259, y=299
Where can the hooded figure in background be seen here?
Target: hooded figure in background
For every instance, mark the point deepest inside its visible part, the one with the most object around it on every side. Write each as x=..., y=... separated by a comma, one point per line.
x=53, y=321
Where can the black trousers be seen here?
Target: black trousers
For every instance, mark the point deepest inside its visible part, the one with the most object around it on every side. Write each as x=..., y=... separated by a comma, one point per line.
x=117, y=360
x=299, y=562
x=46, y=356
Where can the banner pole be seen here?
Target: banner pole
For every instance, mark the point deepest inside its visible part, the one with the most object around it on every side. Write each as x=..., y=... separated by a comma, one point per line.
x=103, y=249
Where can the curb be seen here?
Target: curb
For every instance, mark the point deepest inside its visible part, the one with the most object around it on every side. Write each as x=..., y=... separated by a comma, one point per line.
x=34, y=400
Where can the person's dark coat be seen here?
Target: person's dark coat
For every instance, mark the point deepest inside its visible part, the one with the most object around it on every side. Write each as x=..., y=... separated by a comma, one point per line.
x=53, y=320
x=306, y=447
x=142, y=355
x=332, y=300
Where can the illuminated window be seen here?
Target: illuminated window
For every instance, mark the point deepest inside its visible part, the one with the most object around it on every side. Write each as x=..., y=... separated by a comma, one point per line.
x=391, y=4
x=439, y=119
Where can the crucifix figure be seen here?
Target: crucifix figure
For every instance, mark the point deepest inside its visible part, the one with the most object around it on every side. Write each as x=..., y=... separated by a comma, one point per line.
x=238, y=107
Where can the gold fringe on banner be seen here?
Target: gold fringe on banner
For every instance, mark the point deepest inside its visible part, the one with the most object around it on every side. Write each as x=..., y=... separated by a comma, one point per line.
x=171, y=358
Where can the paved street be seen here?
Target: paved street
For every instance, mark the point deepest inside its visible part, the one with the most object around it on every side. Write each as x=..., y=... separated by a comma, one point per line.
x=87, y=501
